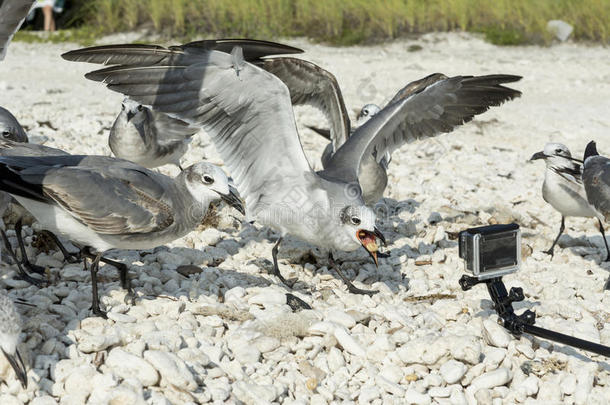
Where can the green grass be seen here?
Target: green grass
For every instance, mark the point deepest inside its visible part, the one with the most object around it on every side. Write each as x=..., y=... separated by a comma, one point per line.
x=346, y=22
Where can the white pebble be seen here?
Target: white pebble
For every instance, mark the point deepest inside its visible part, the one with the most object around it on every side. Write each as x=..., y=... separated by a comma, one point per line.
x=172, y=369
x=127, y=365
x=495, y=334
x=492, y=379
x=414, y=397
x=452, y=371
x=348, y=343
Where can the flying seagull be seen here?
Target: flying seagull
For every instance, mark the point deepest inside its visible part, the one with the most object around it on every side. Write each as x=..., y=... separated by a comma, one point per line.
x=247, y=112
x=563, y=188
x=10, y=331
x=12, y=14
x=311, y=84
x=151, y=138
x=103, y=203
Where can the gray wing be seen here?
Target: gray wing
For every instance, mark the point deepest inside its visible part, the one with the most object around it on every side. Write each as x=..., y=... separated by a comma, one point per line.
x=431, y=111
x=169, y=130
x=417, y=86
x=110, y=196
x=12, y=148
x=596, y=178
x=12, y=14
x=141, y=54
x=310, y=84
x=245, y=110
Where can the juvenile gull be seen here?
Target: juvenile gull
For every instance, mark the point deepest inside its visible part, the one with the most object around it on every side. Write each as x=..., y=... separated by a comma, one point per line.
x=563, y=188
x=151, y=138
x=103, y=203
x=12, y=14
x=10, y=331
x=247, y=112
x=310, y=84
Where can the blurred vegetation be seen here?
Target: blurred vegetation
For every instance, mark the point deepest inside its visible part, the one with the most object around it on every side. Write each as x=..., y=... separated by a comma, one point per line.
x=345, y=22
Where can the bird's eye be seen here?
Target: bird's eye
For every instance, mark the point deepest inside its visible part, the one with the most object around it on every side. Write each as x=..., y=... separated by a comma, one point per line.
x=365, y=112
x=122, y=107
x=208, y=179
x=355, y=220
x=558, y=151
x=6, y=134
x=140, y=108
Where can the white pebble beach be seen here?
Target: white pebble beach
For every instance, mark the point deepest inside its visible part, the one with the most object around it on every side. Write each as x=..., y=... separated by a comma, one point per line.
x=226, y=334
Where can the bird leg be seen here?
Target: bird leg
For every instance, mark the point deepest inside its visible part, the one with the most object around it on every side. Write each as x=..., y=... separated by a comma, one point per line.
x=95, y=305
x=351, y=287
x=68, y=257
x=561, y=229
x=601, y=229
x=276, y=268
x=22, y=273
x=24, y=256
x=130, y=297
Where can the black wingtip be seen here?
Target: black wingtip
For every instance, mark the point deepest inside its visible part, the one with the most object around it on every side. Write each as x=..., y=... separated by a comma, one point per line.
x=590, y=150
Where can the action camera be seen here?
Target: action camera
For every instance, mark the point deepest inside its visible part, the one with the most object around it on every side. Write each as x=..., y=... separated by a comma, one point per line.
x=491, y=251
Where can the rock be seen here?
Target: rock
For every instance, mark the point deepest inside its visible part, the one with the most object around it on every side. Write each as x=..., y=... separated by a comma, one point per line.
x=414, y=397
x=368, y=394
x=389, y=386
x=266, y=344
x=95, y=343
x=495, y=334
x=127, y=365
x=583, y=387
x=348, y=343
x=530, y=385
x=43, y=400
x=392, y=373
x=335, y=359
x=172, y=369
x=188, y=269
x=464, y=348
x=491, y=379
x=452, y=371
x=568, y=384
x=340, y=318
x=254, y=394
x=423, y=351
x=440, y=392
x=122, y=318
x=560, y=29
x=268, y=298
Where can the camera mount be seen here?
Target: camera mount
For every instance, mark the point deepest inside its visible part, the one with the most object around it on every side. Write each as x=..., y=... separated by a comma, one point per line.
x=524, y=323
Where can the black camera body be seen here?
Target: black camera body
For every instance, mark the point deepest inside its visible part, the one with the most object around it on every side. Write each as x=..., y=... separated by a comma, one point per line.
x=491, y=251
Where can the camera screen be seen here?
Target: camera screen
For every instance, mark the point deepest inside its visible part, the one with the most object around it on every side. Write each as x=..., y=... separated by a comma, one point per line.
x=498, y=251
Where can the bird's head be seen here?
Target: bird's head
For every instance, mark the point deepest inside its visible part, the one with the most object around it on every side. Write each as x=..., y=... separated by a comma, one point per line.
x=365, y=114
x=10, y=127
x=556, y=155
x=207, y=183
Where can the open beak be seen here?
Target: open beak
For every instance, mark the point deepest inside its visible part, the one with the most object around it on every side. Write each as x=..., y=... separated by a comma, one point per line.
x=18, y=366
x=368, y=240
x=538, y=155
x=233, y=199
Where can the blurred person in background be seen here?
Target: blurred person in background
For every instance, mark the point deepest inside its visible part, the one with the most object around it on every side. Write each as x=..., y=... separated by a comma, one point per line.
x=48, y=8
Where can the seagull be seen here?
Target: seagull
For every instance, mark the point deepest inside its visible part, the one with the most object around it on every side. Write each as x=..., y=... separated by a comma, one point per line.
x=311, y=84
x=248, y=114
x=10, y=128
x=10, y=331
x=151, y=138
x=104, y=203
x=563, y=188
x=12, y=14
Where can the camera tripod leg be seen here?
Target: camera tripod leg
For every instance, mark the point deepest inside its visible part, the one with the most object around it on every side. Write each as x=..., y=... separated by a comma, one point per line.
x=561, y=229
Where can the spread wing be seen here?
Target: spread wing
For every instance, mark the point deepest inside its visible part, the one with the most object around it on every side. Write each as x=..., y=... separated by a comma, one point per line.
x=245, y=110
x=430, y=111
x=142, y=54
x=596, y=177
x=310, y=84
x=110, y=196
x=12, y=14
